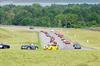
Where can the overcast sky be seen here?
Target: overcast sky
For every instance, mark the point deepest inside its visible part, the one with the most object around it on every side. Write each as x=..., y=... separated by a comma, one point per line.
x=47, y=2
x=52, y=1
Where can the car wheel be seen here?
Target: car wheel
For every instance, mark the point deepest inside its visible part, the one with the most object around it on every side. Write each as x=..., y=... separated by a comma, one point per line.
x=8, y=47
x=77, y=48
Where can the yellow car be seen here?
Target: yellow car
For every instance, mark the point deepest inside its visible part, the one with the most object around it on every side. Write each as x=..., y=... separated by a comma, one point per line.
x=53, y=48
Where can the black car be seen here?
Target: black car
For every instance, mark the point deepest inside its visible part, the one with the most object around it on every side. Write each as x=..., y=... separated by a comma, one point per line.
x=30, y=47
x=31, y=27
x=77, y=46
x=4, y=46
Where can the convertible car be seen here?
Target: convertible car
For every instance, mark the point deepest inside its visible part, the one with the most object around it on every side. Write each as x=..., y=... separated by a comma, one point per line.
x=30, y=47
x=4, y=46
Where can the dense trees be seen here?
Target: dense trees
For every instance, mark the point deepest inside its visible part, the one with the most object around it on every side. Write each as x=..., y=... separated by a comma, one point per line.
x=71, y=16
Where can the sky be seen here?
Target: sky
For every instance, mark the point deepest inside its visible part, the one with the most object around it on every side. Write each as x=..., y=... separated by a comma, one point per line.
x=47, y=2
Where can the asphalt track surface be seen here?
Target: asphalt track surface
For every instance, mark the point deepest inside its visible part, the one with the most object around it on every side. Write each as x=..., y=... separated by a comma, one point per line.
x=46, y=40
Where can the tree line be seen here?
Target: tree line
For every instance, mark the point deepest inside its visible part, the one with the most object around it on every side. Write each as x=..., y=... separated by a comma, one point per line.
x=69, y=16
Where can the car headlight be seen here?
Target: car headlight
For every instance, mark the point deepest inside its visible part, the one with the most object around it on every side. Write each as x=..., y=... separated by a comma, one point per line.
x=1, y=46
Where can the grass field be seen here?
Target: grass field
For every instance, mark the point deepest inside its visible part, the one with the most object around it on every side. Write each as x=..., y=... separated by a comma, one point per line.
x=18, y=36
x=49, y=58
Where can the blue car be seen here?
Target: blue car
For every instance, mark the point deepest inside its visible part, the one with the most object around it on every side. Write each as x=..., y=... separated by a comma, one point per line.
x=30, y=47
x=4, y=46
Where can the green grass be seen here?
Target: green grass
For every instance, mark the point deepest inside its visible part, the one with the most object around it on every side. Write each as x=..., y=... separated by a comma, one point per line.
x=16, y=57
x=49, y=58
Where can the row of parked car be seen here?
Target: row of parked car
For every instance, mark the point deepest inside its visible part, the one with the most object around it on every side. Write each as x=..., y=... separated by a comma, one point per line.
x=75, y=45
x=63, y=39
x=30, y=47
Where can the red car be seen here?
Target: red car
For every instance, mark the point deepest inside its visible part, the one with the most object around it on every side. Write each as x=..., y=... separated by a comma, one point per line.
x=60, y=35
x=66, y=42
